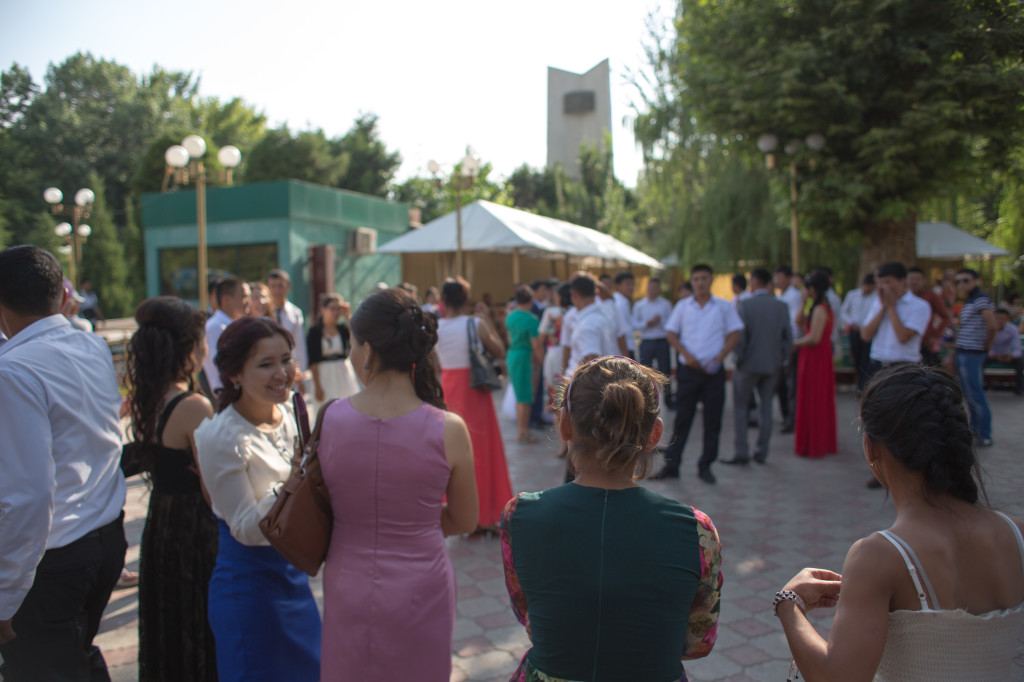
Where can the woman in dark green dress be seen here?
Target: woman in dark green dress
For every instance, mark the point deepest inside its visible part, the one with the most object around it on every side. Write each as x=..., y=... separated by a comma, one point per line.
x=612, y=581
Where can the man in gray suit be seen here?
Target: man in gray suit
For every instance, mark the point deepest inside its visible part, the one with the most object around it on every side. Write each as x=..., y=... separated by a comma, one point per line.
x=764, y=345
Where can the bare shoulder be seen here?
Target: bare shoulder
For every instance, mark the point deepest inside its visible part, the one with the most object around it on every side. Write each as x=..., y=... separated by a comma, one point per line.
x=874, y=560
x=195, y=408
x=453, y=424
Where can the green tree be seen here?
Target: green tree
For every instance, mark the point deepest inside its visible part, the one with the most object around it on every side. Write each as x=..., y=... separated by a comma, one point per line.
x=103, y=257
x=435, y=197
x=134, y=255
x=308, y=156
x=912, y=95
x=369, y=166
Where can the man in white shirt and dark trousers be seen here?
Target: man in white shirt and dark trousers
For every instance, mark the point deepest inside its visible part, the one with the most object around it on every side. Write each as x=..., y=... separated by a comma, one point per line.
x=289, y=316
x=782, y=279
x=232, y=295
x=623, y=297
x=649, y=316
x=62, y=540
x=704, y=329
x=854, y=309
x=894, y=323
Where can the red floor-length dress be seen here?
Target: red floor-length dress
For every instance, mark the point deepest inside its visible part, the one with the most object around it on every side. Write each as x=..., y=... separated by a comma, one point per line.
x=816, y=396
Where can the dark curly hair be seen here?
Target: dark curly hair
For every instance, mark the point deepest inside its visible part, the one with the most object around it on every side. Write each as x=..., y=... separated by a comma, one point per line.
x=613, y=405
x=918, y=414
x=403, y=337
x=159, y=353
x=234, y=347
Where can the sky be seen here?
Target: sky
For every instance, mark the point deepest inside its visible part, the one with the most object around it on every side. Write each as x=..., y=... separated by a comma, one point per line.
x=439, y=75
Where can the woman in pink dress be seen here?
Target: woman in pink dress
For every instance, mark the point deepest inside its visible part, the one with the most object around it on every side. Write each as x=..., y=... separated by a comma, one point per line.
x=399, y=469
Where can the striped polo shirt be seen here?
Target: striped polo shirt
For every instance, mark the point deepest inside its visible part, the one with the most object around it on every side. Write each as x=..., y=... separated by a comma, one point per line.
x=973, y=333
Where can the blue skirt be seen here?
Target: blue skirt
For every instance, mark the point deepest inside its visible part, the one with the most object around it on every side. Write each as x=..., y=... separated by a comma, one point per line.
x=263, y=615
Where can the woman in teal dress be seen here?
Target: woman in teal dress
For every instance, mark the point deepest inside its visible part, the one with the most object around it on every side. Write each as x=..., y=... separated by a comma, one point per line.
x=612, y=581
x=522, y=326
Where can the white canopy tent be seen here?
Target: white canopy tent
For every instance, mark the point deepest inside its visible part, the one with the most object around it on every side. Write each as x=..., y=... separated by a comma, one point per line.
x=487, y=226
x=942, y=241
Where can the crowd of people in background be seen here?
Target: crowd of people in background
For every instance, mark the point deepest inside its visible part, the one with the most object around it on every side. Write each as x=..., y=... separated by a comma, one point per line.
x=213, y=430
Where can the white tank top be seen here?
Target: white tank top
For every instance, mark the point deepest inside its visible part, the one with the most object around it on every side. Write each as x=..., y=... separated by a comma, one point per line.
x=453, y=341
x=936, y=645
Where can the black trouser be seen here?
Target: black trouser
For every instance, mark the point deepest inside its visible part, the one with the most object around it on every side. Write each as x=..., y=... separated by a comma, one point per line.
x=537, y=407
x=61, y=613
x=787, y=391
x=657, y=350
x=860, y=356
x=697, y=387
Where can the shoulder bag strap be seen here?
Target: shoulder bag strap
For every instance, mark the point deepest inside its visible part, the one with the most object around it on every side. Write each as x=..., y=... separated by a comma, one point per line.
x=301, y=418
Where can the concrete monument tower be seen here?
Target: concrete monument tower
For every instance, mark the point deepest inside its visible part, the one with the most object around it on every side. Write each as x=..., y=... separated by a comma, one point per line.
x=579, y=112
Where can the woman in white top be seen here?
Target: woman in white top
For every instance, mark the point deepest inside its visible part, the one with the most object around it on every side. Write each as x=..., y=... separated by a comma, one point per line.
x=940, y=594
x=262, y=612
x=328, y=346
x=475, y=406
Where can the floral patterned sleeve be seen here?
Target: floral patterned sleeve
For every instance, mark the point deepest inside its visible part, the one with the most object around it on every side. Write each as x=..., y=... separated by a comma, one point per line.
x=515, y=592
x=703, y=626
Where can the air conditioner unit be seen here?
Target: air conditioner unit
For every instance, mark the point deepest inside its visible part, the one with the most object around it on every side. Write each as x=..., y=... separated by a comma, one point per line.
x=362, y=241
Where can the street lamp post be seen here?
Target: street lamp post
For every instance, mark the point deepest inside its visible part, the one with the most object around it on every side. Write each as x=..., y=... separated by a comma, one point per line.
x=469, y=167
x=76, y=232
x=185, y=162
x=767, y=144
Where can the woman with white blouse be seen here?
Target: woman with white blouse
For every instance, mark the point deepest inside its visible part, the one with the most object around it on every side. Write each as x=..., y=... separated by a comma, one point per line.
x=262, y=612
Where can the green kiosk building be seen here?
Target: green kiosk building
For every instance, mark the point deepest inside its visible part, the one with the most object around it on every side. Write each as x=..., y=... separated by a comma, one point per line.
x=325, y=239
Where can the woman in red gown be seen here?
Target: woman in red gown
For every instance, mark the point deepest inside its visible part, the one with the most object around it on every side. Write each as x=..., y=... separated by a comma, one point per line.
x=816, y=381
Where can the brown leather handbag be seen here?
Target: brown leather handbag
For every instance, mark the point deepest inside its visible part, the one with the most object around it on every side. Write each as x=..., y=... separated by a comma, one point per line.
x=299, y=524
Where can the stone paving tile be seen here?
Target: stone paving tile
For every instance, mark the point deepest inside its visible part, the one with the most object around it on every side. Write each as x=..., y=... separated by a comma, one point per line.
x=773, y=520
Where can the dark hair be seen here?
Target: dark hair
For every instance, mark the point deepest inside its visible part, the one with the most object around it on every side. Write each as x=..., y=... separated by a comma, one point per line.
x=918, y=414
x=159, y=353
x=656, y=280
x=869, y=278
x=686, y=285
x=31, y=281
x=455, y=292
x=894, y=269
x=403, y=337
x=739, y=280
x=1002, y=311
x=785, y=270
x=968, y=271
x=604, y=276
x=537, y=284
x=584, y=286
x=623, y=276
x=211, y=286
x=761, y=275
x=915, y=269
x=613, y=405
x=228, y=287
x=234, y=347
x=523, y=295
x=818, y=280
x=278, y=273
x=565, y=295
x=702, y=267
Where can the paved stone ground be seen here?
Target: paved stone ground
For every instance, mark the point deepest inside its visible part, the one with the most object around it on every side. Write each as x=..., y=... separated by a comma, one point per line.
x=773, y=520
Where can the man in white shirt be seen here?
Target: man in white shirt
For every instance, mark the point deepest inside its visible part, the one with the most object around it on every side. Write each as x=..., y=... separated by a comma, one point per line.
x=589, y=333
x=704, y=329
x=616, y=327
x=783, y=279
x=854, y=309
x=62, y=540
x=289, y=316
x=895, y=321
x=649, y=316
x=739, y=290
x=625, y=284
x=232, y=295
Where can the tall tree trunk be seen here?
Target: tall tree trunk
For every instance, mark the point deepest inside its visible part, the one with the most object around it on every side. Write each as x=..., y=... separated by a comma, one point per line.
x=887, y=241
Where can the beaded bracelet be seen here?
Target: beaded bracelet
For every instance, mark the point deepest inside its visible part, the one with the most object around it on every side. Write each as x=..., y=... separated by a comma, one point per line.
x=787, y=595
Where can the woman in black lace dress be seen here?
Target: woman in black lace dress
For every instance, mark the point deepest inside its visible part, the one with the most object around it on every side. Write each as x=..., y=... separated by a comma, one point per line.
x=179, y=542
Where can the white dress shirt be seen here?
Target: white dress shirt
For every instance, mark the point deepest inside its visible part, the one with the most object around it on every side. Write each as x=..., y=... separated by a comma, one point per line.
x=794, y=300
x=290, y=317
x=453, y=341
x=702, y=329
x=855, y=307
x=914, y=313
x=215, y=326
x=623, y=305
x=241, y=465
x=645, y=310
x=61, y=447
x=591, y=333
x=837, y=316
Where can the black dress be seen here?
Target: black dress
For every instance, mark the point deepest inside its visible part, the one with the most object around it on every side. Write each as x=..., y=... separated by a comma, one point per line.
x=178, y=553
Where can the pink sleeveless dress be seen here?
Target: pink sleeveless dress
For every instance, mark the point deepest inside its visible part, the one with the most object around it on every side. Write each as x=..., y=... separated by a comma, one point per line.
x=389, y=587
